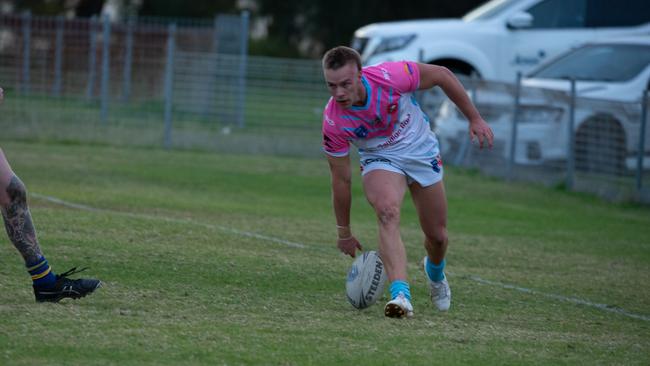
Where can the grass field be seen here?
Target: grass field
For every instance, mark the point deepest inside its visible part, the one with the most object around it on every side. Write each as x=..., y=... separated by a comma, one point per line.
x=223, y=259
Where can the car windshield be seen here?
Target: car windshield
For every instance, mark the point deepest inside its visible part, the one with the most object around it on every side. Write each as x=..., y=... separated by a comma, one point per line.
x=606, y=62
x=488, y=10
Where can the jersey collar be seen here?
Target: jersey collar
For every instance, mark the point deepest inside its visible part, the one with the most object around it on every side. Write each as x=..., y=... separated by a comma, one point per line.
x=368, y=96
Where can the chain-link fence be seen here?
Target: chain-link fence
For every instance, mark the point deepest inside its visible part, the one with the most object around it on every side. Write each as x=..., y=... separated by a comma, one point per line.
x=553, y=137
x=191, y=84
x=147, y=81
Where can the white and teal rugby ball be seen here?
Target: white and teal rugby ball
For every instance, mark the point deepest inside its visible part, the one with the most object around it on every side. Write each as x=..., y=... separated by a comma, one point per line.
x=366, y=280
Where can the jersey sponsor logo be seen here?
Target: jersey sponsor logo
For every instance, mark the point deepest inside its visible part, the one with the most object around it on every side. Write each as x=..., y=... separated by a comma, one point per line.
x=361, y=132
x=385, y=73
x=374, y=160
x=393, y=138
x=436, y=164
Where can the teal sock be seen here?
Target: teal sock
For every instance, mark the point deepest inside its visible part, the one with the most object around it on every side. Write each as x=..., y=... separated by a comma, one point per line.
x=400, y=286
x=436, y=273
x=42, y=275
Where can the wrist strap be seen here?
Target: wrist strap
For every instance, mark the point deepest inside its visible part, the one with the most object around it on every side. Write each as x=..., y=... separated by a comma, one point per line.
x=342, y=226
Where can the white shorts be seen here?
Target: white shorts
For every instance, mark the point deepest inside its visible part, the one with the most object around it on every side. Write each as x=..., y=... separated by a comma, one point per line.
x=421, y=164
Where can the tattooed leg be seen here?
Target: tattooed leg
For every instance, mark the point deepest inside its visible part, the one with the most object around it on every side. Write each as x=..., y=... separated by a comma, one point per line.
x=18, y=221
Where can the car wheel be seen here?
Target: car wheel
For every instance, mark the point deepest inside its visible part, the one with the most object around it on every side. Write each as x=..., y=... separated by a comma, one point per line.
x=600, y=146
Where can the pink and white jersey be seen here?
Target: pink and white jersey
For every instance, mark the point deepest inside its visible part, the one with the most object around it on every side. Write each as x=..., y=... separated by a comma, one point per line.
x=390, y=120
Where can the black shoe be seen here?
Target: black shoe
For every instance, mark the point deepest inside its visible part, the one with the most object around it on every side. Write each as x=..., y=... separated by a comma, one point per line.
x=65, y=287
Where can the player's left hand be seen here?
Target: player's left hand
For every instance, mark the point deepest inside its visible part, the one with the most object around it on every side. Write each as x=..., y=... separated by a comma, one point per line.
x=479, y=129
x=2, y=95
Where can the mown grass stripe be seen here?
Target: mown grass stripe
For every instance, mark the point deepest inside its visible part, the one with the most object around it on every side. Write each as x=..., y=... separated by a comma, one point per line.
x=574, y=300
x=175, y=220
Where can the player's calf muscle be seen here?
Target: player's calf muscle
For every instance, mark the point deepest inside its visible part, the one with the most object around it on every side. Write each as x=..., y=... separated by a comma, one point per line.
x=18, y=221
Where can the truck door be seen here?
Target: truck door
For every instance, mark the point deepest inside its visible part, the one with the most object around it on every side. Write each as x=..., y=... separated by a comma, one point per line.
x=555, y=26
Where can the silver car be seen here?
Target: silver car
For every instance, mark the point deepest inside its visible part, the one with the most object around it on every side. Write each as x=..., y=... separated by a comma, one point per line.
x=610, y=76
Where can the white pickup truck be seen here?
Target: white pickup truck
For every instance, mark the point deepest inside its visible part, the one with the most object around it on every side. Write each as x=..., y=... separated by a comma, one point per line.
x=503, y=37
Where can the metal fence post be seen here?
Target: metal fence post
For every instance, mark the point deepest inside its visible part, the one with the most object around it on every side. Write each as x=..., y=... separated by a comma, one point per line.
x=92, y=54
x=243, y=61
x=58, y=57
x=464, y=144
x=513, y=132
x=106, y=62
x=639, y=160
x=571, y=142
x=128, y=60
x=419, y=94
x=27, y=35
x=169, y=81
x=215, y=33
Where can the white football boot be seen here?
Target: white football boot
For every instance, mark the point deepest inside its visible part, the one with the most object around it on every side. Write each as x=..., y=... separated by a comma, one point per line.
x=440, y=291
x=399, y=307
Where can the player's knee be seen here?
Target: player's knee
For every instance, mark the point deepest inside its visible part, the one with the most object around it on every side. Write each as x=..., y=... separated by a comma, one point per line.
x=15, y=192
x=438, y=237
x=388, y=214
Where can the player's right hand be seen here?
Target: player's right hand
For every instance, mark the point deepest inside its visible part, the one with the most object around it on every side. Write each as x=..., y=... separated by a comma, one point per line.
x=481, y=131
x=2, y=95
x=349, y=245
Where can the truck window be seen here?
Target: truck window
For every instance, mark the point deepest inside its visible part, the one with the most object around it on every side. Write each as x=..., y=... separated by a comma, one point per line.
x=606, y=62
x=559, y=14
x=626, y=13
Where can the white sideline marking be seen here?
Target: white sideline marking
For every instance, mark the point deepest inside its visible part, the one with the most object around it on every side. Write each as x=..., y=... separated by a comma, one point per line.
x=169, y=219
x=574, y=300
x=249, y=234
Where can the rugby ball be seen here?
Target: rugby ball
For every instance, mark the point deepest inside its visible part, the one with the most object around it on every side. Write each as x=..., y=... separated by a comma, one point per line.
x=366, y=280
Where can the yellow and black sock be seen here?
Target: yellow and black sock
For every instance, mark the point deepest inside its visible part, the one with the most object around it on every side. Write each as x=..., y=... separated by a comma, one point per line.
x=42, y=275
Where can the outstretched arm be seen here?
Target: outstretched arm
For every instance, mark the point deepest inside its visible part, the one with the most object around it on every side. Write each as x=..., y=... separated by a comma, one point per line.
x=434, y=75
x=342, y=201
